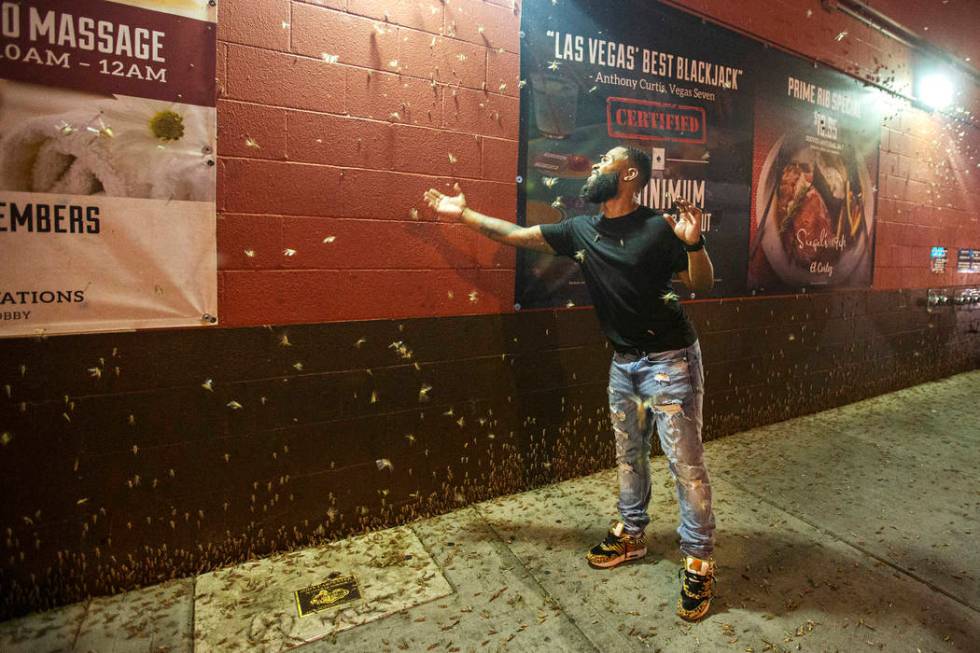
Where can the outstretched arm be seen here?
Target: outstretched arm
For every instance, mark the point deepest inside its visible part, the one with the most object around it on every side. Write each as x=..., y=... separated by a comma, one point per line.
x=507, y=232
x=502, y=231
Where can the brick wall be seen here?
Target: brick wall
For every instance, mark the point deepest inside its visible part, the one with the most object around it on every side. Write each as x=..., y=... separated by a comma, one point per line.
x=211, y=446
x=422, y=93
x=312, y=150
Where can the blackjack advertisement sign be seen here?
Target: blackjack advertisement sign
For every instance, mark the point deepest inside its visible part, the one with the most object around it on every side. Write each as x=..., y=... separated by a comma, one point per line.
x=722, y=118
x=107, y=165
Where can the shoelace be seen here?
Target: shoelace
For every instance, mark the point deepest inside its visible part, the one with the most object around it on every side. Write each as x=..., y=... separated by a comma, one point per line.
x=612, y=542
x=697, y=586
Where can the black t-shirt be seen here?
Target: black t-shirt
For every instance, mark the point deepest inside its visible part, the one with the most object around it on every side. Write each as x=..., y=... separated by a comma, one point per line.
x=627, y=263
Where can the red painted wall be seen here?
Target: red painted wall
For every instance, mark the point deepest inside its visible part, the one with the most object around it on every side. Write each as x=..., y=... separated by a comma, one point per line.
x=948, y=24
x=425, y=93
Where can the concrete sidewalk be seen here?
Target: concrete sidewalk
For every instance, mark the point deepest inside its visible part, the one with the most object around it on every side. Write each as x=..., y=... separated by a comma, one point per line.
x=849, y=530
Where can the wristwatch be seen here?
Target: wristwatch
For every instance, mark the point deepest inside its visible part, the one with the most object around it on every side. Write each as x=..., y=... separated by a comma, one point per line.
x=696, y=246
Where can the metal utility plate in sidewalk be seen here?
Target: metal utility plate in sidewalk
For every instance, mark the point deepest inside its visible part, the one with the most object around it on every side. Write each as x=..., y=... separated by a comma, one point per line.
x=253, y=607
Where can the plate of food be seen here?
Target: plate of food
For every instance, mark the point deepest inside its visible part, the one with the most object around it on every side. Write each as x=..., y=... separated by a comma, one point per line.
x=543, y=213
x=816, y=210
x=570, y=157
x=566, y=166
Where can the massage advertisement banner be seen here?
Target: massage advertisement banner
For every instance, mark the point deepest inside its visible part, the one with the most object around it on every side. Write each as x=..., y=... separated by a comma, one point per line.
x=107, y=165
x=709, y=105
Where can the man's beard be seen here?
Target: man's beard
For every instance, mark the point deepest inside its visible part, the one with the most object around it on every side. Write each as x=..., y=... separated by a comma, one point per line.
x=600, y=188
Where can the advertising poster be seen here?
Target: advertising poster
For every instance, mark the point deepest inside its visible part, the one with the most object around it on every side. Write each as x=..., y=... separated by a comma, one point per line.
x=600, y=74
x=107, y=165
x=967, y=261
x=816, y=160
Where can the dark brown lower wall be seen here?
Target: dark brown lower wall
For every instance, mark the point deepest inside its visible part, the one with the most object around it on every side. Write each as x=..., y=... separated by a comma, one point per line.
x=133, y=458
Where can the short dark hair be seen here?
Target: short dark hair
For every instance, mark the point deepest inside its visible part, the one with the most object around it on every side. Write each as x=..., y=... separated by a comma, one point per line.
x=640, y=159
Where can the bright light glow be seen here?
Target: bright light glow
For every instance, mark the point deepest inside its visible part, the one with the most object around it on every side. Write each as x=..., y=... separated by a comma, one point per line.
x=936, y=90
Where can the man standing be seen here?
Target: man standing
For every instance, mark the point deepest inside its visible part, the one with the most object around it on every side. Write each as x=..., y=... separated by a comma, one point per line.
x=627, y=255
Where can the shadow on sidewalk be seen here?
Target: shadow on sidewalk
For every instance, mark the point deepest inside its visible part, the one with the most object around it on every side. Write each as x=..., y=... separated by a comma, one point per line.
x=770, y=574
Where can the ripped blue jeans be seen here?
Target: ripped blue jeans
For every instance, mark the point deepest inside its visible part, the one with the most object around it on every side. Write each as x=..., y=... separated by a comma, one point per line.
x=663, y=389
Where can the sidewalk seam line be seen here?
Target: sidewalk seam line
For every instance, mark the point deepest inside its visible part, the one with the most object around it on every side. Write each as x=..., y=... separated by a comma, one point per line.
x=81, y=622
x=534, y=579
x=193, y=641
x=435, y=561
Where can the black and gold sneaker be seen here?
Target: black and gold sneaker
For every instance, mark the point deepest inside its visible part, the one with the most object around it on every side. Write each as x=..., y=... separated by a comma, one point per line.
x=618, y=547
x=697, y=588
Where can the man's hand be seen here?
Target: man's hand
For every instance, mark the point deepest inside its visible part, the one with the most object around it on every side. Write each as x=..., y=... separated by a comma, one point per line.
x=700, y=275
x=688, y=226
x=493, y=228
x=452, y=207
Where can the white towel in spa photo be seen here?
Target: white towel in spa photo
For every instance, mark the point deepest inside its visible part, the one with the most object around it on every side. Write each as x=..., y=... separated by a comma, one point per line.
x=114, y=146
